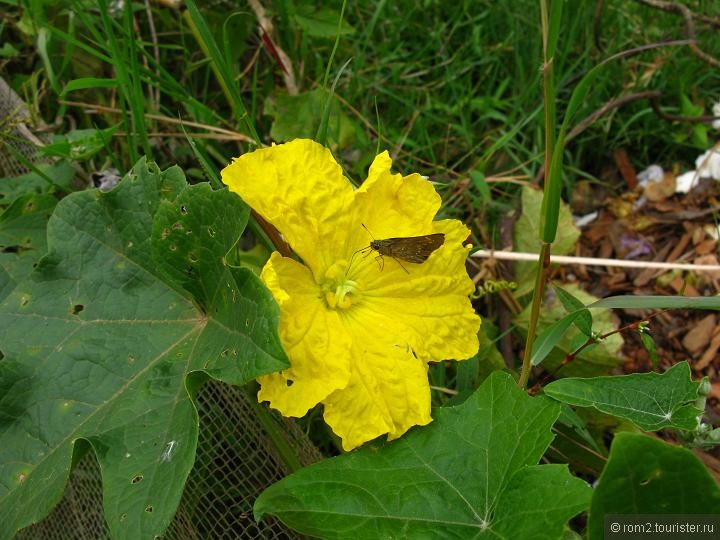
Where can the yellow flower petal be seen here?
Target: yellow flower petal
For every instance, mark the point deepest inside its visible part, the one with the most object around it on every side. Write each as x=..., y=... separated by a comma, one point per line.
x=358, y=329
x=391, y=205
x=424, y=306
x=301, y=190
x=388, y=392
x=313, y=337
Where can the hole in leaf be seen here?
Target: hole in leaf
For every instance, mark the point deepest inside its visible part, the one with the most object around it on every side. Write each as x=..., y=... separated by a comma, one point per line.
x=192, y=257
x=29, y=207
x=211, y=231
x=224, y=353
x=190, y=271
x=77, y=308
x=149, y=508
x=289, y=382
x=183, y=209
x=123, y=517
x=645, y=482
x=136, y=479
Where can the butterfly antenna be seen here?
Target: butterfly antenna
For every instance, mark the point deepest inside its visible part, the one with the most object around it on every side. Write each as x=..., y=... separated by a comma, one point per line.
x=368, y=230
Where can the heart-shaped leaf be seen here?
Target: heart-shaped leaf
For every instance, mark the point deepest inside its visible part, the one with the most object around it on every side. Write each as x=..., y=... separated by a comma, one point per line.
x=651, y=400
x=132, y=297
x=472, y=473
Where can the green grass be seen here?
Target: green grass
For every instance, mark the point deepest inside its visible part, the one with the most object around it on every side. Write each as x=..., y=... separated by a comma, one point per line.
x=442, y=87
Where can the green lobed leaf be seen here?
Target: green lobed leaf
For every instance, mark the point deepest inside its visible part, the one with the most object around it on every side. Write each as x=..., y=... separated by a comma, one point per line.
x=463, y=476
x=645, y=475
x=22, y=233
x=652, y=401
x=132, y=297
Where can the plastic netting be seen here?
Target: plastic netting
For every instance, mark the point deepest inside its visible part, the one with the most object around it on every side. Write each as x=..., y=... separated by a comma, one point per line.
x=235, y=461
x=17, y=134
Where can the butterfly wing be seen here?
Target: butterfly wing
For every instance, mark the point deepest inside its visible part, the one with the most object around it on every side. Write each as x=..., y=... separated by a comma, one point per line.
x=414, y=249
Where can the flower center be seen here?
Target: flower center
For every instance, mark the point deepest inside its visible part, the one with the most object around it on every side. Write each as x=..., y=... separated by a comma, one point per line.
x=340, y=292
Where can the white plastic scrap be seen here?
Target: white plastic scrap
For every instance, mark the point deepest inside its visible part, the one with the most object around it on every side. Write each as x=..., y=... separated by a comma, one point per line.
x=581, y=221
x=654, y=173
x=686, y=181
x=716, y=114
x=707, y=166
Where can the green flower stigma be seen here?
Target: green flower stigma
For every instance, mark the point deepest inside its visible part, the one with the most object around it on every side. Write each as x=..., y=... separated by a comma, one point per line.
x=340, y=292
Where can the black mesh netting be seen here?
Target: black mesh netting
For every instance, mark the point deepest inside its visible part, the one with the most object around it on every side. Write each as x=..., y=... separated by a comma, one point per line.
x=235, y=461
x=18, y=139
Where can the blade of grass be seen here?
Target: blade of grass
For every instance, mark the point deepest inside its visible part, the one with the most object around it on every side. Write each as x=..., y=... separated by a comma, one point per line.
x=200, y=30
x=321, y=135
x=119, y=61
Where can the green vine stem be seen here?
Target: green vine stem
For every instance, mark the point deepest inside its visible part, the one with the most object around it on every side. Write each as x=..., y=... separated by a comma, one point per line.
x=547, y=232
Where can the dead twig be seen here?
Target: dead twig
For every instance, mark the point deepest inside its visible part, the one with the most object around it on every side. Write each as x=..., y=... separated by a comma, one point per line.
x=266, y=31
x=688, y=16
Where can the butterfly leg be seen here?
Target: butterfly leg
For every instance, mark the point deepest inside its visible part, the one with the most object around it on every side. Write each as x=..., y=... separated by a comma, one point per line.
x=401, y=264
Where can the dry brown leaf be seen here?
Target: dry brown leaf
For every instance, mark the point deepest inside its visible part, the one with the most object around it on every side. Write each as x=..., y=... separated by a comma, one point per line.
x=659, y=191
x=699, y=336
x=710, y=354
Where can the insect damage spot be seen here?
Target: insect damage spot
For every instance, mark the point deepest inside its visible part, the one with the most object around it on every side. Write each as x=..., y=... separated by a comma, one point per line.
x=77, y=308
x=136, y=479
x=149, y=508
x=177, y=226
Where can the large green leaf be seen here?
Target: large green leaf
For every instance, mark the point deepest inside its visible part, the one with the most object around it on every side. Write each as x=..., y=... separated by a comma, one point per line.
x=652, y=401
x=472, y=473
x=645, y=475
x=132, y=297
x=23, y=227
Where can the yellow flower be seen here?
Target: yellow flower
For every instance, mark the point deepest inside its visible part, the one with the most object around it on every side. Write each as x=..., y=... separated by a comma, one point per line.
x=358, y=332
